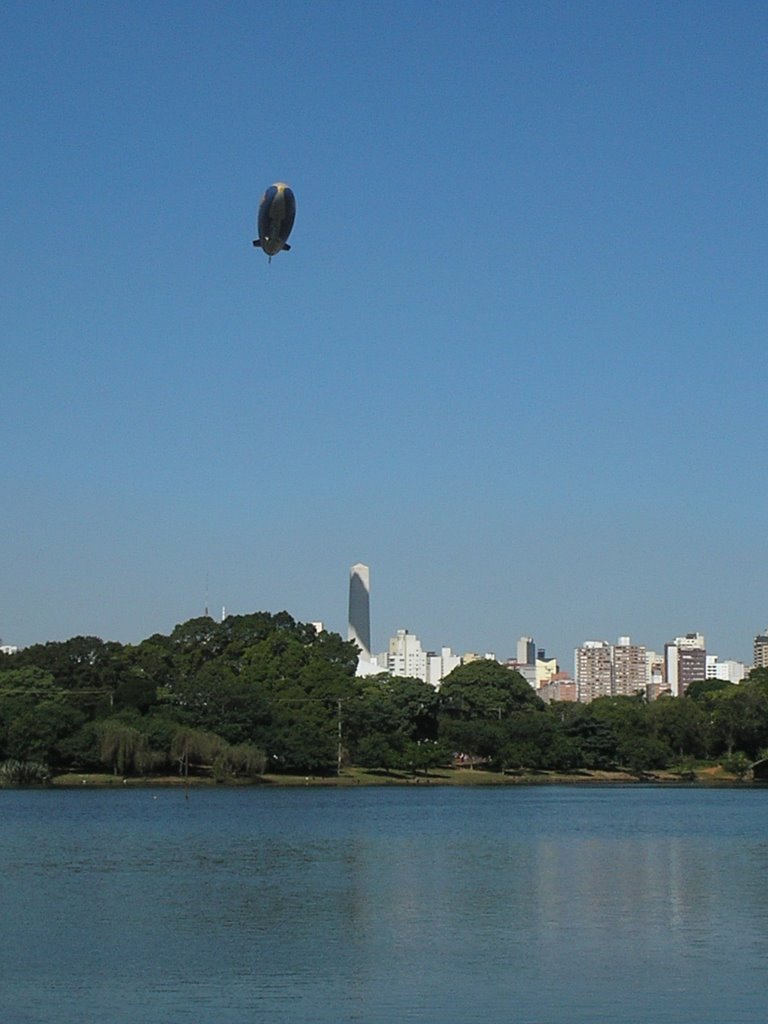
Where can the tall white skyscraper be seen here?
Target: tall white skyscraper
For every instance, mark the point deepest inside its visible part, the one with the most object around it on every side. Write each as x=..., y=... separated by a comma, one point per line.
x=360, y=608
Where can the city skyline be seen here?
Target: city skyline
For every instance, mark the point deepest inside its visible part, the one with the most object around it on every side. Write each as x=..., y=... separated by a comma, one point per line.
x=359, y=609
x=620, y=670
x=544, y=417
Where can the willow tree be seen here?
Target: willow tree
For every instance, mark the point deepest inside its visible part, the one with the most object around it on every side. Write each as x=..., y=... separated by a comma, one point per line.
x=194, y=747
x=122, y=747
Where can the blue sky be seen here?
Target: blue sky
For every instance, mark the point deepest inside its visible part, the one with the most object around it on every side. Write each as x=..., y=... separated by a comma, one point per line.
x=514, y=360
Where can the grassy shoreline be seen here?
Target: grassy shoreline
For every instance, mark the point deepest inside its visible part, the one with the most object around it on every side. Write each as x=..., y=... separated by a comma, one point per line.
x=352, y=777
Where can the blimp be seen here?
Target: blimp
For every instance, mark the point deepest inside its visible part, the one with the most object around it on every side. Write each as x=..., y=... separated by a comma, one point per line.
x=277, y=212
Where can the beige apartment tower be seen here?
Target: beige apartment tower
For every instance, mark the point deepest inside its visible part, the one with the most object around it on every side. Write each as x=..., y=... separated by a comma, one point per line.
x=760, y=650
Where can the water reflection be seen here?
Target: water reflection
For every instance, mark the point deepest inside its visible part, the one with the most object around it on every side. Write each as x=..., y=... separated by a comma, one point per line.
x=538, y=906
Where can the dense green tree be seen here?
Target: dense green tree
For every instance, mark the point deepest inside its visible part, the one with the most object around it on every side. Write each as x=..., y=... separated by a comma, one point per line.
x=328, y=653
x=518, y=755
x=218, y=699
x=473, y=738
x=135, y=691
x=529, y=741
x=700, y=689
x=484, y=689
x=740, y=718
x=596, y=738
x=641, y=754
x=395, y=708
x=378, y=751
x=153, y=659
x=681, y=723
x=758, y=676
x=81, y=749
x=563, y=753
x=37, y=732
x=84, y=662
x=304, y=737
x=421, y=755
x=29, y=681
x=192, y=645
x=627, y=716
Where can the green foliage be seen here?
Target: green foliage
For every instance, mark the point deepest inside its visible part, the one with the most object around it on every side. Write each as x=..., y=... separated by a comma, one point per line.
x=759, y=676
x=23, y=773
x=475, y=738
x=193, y=749
x=136, y=691
x=122, y=747
x=264, y=692
x=378, y=751
x=394, y=710
x=484, y=689
x=421, y=755
x=737, y=764
x=596, y=739
x=241, y=761
x=27, y=680
x=80, y=750
x=84, y=662
x=641, y=754
x=682, y=724
x=701, y=689
x=36, y=732
x=304, y=737
x=740, y=718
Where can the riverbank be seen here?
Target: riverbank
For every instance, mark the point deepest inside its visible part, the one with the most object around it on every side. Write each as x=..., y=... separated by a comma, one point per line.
x=350, y=777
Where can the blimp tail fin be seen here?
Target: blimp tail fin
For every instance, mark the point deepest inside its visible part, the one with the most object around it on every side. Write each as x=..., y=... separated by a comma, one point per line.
x=257, y=242
x=286, y=247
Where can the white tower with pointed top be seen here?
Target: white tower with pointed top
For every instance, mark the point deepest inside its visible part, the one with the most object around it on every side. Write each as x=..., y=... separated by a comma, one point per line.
x=360, y=608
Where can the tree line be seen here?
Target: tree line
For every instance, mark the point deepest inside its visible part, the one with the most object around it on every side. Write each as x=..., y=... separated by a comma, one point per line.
x=264, y=693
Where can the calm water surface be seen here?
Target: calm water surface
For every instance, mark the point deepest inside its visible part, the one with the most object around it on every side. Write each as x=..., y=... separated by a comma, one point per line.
x=554, y=905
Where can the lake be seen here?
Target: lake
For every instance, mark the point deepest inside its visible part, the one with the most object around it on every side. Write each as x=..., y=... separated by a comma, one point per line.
x=528, y=905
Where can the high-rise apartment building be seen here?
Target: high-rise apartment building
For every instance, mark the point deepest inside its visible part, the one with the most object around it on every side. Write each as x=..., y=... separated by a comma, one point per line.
x=406, y=657
x=593, y=670
x=760, y=650
x=692, y=666
x=608, y=670
x=630, y=668
x=685, y=662
x=654, y=666
x=440, y=665
x=359, y=628
x=729, y=671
